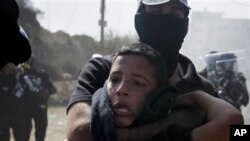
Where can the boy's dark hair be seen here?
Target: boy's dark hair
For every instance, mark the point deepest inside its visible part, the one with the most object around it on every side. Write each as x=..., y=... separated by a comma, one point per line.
x=152, y=56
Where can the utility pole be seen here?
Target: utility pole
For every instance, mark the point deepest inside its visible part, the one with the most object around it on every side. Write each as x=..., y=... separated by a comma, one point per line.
x=102, y=23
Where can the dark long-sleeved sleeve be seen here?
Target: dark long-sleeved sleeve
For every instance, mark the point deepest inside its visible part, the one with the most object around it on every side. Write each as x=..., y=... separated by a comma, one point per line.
x=91, y=78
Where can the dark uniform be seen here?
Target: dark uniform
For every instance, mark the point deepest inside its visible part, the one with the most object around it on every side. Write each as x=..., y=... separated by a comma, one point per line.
x=232, y=88
x=20, y=109
x=7, y=86
x=13, y=107
x=229, y=83
x=40, y=87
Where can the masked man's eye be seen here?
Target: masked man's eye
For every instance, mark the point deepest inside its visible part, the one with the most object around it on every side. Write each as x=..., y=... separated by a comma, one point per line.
x=177, y=14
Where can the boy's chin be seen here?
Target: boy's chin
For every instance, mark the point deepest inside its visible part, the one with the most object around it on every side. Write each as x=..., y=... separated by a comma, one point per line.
x=123, y=123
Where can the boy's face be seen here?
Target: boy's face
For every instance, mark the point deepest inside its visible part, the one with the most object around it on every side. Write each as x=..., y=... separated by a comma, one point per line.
x=131, y=77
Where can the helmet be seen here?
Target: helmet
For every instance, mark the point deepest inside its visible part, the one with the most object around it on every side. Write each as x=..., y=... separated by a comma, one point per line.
x=227, y=56
x=156, y=2
x=226, y=62
x=14, y=43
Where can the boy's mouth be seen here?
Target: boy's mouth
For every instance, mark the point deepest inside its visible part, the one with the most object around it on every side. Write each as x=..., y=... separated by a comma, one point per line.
x=122, y=110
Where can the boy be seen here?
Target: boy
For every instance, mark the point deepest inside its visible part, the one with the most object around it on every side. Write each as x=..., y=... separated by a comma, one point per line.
x=132, y=95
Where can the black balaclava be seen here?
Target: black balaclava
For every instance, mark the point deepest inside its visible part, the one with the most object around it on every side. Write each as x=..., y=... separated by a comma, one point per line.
x=164, y=33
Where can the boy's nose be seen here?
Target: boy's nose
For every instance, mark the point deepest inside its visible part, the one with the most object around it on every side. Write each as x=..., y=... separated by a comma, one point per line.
x=122, y=89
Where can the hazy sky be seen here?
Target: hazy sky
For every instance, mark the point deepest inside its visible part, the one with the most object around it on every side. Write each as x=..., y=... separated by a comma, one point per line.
x=81, y=16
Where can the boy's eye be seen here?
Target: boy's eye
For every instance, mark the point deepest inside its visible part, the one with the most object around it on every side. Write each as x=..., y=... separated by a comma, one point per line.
x=139, y=84
x=114, y=79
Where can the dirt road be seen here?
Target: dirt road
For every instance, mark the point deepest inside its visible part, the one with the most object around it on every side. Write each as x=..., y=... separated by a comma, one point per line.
x=56, y=125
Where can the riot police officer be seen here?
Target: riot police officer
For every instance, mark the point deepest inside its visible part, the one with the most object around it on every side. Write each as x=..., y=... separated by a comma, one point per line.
x=7, y=87
x=231, y=83
x=40, y=87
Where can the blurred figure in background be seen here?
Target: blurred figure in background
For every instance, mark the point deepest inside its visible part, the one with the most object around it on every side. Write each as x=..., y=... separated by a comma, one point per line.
x=13, y=104
x=230, y=84
x=14, y=45
x=7, y=87
x=19, y=107
x=11, y=101
x=40, y=87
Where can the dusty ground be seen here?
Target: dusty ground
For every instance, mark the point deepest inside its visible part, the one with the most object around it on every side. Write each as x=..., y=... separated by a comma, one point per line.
x=56, y=126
